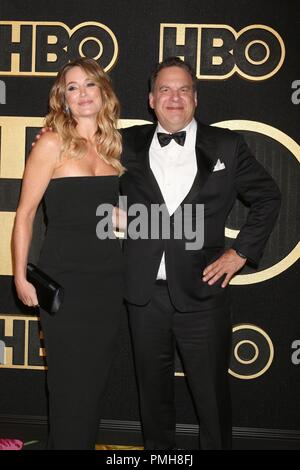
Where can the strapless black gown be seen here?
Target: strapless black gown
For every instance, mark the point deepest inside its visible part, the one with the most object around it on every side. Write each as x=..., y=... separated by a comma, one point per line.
x=81, y=338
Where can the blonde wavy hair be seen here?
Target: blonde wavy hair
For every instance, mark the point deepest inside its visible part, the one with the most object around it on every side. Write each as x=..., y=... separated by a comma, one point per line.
x=60, y=119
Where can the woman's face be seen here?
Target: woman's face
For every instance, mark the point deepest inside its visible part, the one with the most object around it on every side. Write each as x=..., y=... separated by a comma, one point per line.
x=82, y=93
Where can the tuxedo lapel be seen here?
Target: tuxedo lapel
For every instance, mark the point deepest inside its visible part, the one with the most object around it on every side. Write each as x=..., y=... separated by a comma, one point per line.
x=143, y=147
x=205, y=154
x=205, y=163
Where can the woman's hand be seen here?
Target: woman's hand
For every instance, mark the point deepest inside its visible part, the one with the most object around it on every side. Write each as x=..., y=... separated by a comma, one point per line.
x=119, y=219
x=27, y=293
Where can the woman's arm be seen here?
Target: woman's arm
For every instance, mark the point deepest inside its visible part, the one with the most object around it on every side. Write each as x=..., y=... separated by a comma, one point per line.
x=39, y=169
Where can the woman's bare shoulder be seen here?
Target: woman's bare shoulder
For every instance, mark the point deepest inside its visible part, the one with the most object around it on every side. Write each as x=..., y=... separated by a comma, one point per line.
x=46, y=152
x=47, y=146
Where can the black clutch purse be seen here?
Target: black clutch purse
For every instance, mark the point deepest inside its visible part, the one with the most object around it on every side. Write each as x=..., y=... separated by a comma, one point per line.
x=49, y=293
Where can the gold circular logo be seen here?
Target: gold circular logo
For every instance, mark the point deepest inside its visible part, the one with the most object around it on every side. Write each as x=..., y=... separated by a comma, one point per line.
x=252, y=352
x=294, y=148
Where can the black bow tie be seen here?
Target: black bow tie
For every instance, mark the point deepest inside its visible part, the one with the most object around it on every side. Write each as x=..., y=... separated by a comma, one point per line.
x=165, y=139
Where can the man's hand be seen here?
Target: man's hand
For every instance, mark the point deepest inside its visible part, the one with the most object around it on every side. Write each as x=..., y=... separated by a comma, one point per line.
x=39, y=135
x=229, y=263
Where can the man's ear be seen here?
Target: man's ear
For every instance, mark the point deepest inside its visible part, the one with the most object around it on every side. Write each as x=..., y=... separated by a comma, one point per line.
x=196, y=98
x=151, y=100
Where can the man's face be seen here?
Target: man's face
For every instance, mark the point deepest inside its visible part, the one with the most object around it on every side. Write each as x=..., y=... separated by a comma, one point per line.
x=173, y=98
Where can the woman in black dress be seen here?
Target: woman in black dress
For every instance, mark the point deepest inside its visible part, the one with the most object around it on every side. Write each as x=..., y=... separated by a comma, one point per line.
x=75, y=168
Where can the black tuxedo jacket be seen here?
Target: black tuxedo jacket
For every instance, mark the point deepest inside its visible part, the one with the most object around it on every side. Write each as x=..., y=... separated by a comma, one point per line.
x=217, y=190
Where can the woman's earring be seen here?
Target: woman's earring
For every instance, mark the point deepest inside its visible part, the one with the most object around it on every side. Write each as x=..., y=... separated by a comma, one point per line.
x=67, y=110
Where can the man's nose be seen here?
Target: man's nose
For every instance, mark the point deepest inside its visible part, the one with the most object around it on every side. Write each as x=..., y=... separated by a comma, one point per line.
x=175, y=95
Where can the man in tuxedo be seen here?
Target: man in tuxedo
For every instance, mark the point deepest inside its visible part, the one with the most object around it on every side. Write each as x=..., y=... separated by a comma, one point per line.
x=177, y=296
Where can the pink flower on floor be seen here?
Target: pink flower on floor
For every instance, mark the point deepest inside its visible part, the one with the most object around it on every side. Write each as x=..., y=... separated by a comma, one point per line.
x=10, y=444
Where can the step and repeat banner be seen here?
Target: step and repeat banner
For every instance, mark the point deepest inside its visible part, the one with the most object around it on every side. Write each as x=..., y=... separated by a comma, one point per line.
x=248, y=69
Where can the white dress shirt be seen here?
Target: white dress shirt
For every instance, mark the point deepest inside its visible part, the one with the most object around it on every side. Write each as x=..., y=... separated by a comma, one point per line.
x=175, y=168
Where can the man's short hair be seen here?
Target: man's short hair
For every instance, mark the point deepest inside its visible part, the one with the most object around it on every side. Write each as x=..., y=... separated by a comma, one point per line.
x=172, y=62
